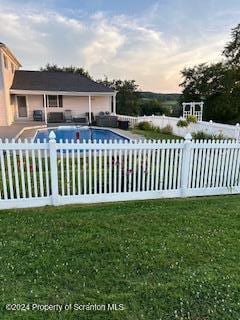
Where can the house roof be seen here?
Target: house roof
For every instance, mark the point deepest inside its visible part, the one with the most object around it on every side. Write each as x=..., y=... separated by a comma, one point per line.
x=55, y=81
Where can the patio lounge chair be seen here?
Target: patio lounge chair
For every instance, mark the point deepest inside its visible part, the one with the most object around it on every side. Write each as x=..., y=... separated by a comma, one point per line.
x=55, y=117
x=37, y=115
x=92, y=116
x=80, y=120
x=107, y=121
x=68, y=115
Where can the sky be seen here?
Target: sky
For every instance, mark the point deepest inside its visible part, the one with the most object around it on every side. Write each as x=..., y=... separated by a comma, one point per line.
x=149, y=41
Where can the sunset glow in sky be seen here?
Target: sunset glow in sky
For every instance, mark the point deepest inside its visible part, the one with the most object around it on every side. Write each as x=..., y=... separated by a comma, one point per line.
x=149, y=41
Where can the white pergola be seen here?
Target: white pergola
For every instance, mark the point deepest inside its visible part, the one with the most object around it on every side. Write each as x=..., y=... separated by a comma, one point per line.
x=193, y=109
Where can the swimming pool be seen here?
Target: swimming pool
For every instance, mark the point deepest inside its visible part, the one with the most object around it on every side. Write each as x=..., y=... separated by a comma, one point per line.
x=79, y=133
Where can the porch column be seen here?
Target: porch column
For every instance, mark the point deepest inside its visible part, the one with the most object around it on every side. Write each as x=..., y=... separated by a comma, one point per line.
x=90, y=109
x=45, y=108
x=114, y=103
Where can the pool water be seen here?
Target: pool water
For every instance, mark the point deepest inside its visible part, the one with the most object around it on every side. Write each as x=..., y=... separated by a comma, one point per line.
x=79, y=133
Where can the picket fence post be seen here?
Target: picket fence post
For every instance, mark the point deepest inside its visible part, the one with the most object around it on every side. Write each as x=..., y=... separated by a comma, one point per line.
x=53, y=167
x=185, y=165
x=237, y=132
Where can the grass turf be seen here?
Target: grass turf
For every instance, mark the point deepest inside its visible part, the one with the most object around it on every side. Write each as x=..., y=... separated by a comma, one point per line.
x=151, y=134
x=162, y=259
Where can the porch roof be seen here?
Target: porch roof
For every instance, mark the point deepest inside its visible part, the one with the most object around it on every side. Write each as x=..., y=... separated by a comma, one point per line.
x=56, y=82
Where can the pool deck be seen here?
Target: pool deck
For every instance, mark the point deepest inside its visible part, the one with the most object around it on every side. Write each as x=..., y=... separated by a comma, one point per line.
x=27, y=130
x=17, y=129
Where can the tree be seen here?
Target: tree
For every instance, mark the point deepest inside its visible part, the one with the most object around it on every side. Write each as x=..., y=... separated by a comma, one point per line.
x=152, y=106
x=232, y=50
x=127, y=95
x=72, y=69
x=218, y=85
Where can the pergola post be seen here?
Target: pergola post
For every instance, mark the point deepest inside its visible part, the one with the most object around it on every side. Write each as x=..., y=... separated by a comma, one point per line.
x=114, y=103
x=192, y=112
x=45, y=107
x=90, y=109
x=201, y=112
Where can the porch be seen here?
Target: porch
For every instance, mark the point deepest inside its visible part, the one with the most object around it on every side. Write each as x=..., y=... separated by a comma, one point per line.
x=57, y=107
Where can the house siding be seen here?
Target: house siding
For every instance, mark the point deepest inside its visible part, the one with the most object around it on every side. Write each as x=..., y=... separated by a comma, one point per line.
x=2, y=94
x=6, y=77
x=78, y=105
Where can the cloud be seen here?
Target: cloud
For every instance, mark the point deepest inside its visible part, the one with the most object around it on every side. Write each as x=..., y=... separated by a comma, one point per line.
x=106, y=39
x=119, y=46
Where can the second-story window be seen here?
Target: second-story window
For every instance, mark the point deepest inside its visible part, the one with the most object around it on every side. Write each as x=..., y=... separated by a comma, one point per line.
x=5, y=61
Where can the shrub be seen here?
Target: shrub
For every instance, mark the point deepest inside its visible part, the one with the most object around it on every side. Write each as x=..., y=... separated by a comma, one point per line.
x=201, y=135
x=156, y=129
x=144, y=125
x=191, y=119
x=167, y=129
x=182, y=123
x=219, y=136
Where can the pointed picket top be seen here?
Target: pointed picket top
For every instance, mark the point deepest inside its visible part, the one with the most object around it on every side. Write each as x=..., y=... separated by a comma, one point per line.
x=188, y=137
x=52, y=135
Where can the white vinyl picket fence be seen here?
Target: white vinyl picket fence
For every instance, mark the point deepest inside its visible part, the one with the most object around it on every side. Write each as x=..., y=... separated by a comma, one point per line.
x=37, y=174
x=228, y=131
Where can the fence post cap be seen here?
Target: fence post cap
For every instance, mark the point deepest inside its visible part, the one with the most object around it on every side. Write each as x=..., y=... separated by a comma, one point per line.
x=211, y=121
x=52, y=135
x=188, y=137
x=237, y=124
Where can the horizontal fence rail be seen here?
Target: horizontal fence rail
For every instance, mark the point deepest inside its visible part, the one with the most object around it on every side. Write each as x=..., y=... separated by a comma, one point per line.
x=65, y=172
x=213, y=128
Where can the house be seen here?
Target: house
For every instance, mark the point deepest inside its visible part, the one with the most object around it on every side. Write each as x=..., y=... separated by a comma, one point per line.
x=22, y=92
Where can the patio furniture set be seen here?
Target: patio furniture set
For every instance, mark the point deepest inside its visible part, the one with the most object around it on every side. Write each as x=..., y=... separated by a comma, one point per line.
x=103, y=119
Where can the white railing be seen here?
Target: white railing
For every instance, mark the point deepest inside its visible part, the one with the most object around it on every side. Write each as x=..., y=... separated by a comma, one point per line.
x=132, y=120
x=37, y=174
x=228, y=131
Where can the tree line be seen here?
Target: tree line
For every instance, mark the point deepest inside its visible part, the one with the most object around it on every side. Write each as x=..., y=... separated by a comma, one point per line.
x=217, y=84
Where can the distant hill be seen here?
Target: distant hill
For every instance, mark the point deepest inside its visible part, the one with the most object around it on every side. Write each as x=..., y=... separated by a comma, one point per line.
x=169, y=103
x=161, y=96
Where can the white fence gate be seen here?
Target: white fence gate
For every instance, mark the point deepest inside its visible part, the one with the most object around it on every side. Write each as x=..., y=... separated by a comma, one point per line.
x=37, y=174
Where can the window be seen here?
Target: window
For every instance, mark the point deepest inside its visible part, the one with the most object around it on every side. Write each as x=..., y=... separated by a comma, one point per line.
x=54, y=101
x=5, y=61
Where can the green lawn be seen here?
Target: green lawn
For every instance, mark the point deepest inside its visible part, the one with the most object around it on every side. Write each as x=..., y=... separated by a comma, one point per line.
x=150, y=134
x=163, y=259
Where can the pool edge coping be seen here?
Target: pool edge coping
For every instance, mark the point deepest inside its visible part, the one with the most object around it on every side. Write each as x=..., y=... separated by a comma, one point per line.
x=89, y=127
